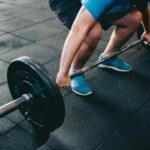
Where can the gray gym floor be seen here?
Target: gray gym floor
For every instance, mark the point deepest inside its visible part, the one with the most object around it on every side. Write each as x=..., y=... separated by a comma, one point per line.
x=115, y=117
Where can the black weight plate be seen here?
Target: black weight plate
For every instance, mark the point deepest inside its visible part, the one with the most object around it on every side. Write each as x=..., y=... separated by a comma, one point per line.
x=140, y=31
x=46, y=110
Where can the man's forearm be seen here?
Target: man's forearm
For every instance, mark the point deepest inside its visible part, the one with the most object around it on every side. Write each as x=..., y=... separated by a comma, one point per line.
x=75, y=39
x=71, y=47
x=146, y=19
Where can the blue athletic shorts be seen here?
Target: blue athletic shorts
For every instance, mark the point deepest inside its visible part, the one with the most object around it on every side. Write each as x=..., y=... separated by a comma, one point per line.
x=104, y=11
x=98, y=8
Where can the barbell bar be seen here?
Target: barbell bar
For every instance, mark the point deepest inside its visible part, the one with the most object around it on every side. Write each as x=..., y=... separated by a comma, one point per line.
x=94, y=64
x=36, y=94
x=13, y=105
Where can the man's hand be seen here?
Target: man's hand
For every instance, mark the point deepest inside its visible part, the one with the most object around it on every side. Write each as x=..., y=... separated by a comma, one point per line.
x=63, y=80
x=146, y=37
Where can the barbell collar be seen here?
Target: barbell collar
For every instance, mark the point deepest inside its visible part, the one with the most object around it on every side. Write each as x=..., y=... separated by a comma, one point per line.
x=15, y=104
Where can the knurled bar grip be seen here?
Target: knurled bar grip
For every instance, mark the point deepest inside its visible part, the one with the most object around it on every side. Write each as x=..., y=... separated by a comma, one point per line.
x=13, y=105
x=92, y=65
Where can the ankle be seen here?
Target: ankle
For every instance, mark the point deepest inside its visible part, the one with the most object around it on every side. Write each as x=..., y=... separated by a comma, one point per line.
x=72, y=70
x=103, y=55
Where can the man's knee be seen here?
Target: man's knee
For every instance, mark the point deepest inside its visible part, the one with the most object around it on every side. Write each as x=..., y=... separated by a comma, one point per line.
x=94, y=36
x=135, y=19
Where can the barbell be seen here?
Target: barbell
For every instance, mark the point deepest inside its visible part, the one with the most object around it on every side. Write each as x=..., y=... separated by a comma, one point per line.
x=36, y=94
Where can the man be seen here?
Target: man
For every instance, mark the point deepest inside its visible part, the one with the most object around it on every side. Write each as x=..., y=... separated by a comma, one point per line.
x=86, y=31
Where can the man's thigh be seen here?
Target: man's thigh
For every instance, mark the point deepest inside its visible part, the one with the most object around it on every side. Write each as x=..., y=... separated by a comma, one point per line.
x=130, y=19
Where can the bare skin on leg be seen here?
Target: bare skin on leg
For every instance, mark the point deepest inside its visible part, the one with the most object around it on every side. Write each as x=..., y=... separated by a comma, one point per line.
x=123, y=32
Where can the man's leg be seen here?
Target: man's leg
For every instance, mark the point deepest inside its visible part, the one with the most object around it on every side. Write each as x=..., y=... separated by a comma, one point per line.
x=87, y=48
x=125, y=28
x=79, y=84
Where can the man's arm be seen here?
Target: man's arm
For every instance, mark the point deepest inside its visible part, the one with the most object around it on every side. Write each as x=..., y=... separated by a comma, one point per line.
x=146, y=20
x=75, y=38
x=146, y=25
x=81, y=26
x=142, y=5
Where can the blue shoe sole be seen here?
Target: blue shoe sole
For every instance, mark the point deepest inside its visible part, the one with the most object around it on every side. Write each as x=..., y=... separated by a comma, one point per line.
x=113, y=68
x=81, y=94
